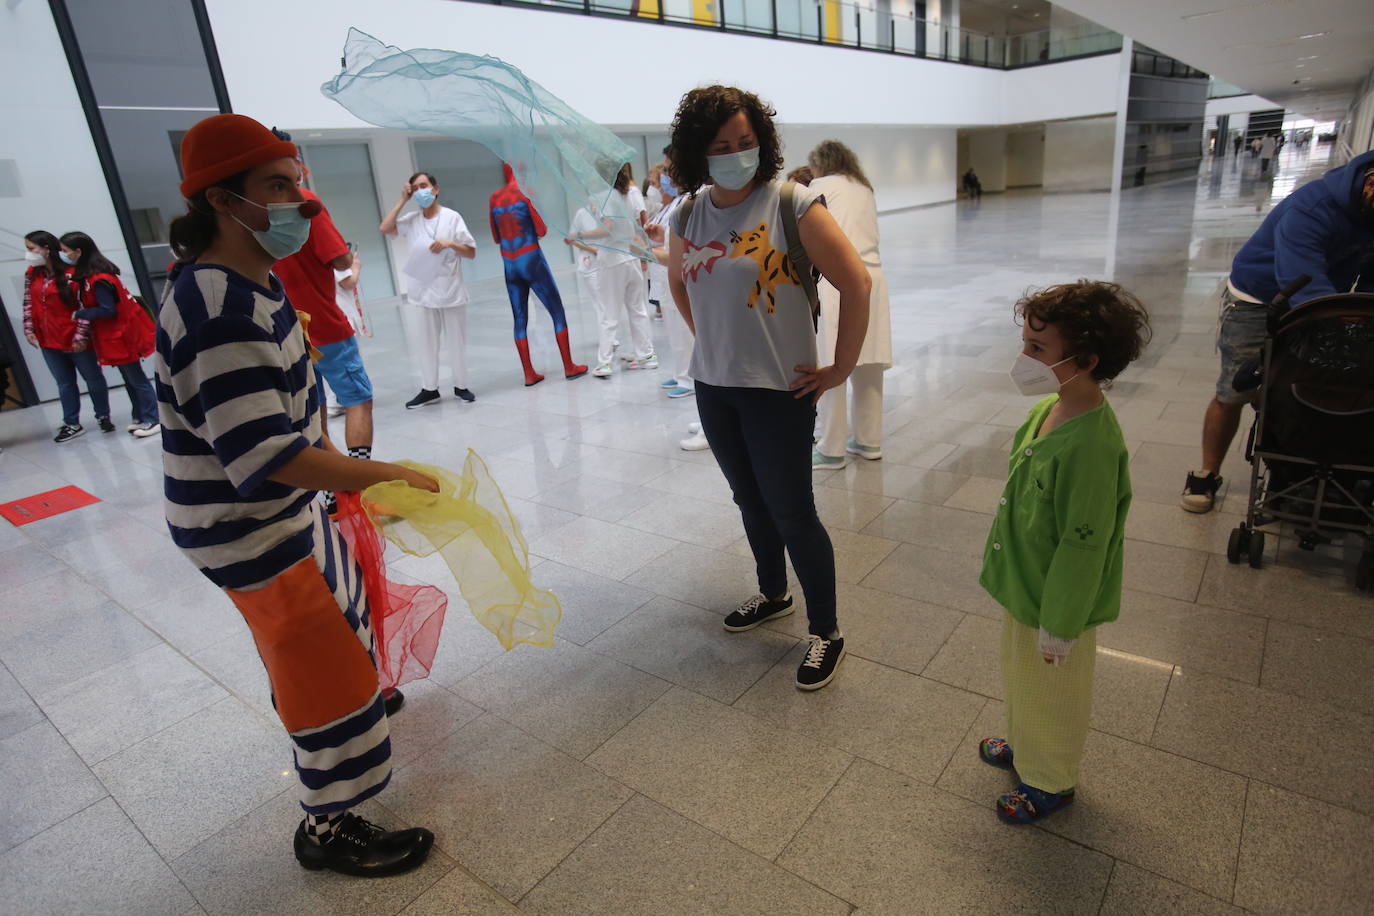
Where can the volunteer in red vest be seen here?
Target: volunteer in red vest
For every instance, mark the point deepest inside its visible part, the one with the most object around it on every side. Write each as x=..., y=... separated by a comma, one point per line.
x=121, y=330
x=65, y=340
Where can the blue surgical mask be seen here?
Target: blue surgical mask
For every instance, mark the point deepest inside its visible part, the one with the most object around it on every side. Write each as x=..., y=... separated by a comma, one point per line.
x=424, y=197
x=666, y=184
x=287, y=230
x=734, y=171
x=66, y=259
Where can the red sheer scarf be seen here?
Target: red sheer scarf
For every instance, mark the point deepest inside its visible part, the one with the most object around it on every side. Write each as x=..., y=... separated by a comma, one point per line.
x=406, y=619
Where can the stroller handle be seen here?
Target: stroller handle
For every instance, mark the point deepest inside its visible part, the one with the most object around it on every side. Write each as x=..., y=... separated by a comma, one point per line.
x=1279, y=304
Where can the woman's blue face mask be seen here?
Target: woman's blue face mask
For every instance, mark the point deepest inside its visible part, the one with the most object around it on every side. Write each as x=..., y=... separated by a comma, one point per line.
x=734, y=171
x=666, y=185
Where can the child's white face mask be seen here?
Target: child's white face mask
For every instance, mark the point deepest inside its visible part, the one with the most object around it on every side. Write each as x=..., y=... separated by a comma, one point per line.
x=1034, y=377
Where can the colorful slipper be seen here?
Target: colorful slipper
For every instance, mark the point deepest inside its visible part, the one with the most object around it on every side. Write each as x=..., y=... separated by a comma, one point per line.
x=1029, y=804
x=995, y=751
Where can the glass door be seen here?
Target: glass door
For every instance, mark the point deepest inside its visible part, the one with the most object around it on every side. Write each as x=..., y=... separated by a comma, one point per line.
x=341, y=174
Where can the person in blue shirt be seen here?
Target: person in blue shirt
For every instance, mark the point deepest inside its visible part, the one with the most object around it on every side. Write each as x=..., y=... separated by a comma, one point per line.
x=1324, y=230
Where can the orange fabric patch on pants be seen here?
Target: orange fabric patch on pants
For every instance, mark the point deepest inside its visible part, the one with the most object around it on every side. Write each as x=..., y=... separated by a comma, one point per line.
x=319, y=669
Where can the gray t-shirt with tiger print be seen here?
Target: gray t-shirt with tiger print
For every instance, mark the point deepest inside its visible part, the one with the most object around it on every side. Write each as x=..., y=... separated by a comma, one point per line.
x=753, y=321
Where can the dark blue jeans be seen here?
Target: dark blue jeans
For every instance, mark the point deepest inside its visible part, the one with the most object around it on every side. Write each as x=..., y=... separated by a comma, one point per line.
x=140, y=390
x=762, y=441
x=64, y=365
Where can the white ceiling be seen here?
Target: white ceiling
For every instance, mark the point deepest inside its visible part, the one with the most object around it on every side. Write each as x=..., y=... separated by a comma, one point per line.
x=1308, y=56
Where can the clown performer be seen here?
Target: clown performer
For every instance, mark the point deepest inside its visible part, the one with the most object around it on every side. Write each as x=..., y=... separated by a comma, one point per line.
x=517, y=228
x=243, y=453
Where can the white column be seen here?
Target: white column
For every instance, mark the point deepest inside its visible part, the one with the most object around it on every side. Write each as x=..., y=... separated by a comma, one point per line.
x=1123, y=92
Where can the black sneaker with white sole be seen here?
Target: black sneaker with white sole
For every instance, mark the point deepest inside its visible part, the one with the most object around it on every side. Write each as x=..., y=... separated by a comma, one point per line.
x=68, y=433
x=1200, y=491
x=464, y=394
x=426, y=396
x=820, y=665
x=757, y=610
x=105, y=425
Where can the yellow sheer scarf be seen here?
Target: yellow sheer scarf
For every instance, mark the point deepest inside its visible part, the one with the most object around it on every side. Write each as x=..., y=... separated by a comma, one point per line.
x=470, y=525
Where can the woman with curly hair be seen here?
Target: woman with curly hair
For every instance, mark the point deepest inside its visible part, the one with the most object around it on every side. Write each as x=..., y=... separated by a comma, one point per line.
x=755, y=366
x=854, y=428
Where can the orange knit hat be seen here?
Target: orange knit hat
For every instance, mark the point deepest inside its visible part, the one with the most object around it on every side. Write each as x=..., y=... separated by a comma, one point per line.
x=224, y=145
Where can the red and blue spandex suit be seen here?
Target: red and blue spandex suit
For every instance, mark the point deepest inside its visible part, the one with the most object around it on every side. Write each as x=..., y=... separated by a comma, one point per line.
x=517, y=229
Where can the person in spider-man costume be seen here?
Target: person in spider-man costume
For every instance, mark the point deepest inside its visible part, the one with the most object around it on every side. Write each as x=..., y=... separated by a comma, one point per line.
x=517, y=229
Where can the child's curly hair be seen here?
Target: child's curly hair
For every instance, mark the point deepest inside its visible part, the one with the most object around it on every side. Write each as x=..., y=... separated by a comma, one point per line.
x=699, y=117
x=1095, y=318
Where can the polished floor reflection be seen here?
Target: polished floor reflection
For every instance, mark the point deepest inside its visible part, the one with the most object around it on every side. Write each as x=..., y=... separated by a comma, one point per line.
x=651, y=762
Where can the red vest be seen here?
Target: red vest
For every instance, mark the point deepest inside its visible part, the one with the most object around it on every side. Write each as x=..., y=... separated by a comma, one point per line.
x=128, y=336
x=53, y=323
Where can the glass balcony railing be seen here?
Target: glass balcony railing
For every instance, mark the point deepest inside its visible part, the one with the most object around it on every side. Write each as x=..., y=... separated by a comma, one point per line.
x=1151, y=63
x=871, y=26
x=1220, y=89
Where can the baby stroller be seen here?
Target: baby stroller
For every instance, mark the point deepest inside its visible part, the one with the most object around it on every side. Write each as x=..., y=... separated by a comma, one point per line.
x=1311, y=448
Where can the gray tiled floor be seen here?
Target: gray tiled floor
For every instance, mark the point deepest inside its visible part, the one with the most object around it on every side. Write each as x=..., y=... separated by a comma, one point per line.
x=651, y=762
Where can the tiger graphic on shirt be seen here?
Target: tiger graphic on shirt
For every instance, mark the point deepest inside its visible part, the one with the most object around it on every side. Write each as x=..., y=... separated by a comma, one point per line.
x=774, y=267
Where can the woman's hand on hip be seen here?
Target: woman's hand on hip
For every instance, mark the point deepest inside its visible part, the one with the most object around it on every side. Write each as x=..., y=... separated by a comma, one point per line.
x=814, y=381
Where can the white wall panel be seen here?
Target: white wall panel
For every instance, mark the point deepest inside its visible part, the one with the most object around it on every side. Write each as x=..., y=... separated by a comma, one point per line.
x=1080, y=155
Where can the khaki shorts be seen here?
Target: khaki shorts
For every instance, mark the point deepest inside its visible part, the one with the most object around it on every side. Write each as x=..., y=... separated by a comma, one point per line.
x=1240, y=338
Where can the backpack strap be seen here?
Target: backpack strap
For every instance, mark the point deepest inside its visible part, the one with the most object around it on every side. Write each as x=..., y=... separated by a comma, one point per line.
x=796, y=252
x=684, y=210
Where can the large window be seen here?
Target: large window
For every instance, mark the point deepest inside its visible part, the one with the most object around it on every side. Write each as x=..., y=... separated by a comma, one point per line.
x=149, y=73
x=890, y=26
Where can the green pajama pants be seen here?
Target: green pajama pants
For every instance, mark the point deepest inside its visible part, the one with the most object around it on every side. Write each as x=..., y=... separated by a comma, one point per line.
x=1048, y=706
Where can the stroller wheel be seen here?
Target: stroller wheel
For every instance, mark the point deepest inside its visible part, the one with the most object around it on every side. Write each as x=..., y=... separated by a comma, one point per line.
x=1238, y=543
x=1256, y=548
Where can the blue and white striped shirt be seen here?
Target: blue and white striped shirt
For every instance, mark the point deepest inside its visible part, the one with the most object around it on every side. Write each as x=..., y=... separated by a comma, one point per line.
x=238, y=398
